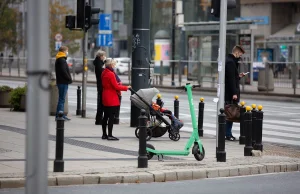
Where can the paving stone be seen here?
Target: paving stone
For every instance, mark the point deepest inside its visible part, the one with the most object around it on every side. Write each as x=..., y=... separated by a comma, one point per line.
x=224, y=172
x=69, y=180
x=171, y=176
x=283, y=168
x=12, y=182
x=130, y=178
x=184, y=174
x=158, y=176
x=270, y=168
x=91, y=179
x=277, y=168
x=254, y=169
x=110, y=178
x=262, y=169
x=291, y=167
x=233, y=171
x=144, y=177
x=199, y=174
x=243, y=171
x=52, y=181
x=212, y=173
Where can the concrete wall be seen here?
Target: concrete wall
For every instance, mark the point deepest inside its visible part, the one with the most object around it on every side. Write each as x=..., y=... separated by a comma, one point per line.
x=264, y=9
x=281, y=16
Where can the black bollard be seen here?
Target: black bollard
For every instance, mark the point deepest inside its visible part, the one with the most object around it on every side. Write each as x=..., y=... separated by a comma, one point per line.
x=158, y=100
x=78, y=111
x=59, y=150
x=248, y=132
x=117, y=119
x=242, y=132
x=254, y=111
x=221, y=154
x=142, y=159
x=176, y=107
x=259, y=128
x=200, y=117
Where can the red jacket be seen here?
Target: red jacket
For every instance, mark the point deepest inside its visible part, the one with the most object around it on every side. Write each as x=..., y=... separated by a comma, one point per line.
x=110, y=88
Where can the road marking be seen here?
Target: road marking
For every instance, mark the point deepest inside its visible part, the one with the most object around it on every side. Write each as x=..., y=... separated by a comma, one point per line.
x=282, y=122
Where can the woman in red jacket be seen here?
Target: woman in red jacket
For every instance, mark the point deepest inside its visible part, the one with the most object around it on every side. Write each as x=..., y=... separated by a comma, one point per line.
x=110, y=98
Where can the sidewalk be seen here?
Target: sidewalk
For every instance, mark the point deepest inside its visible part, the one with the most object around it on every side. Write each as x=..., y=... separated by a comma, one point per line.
x=91, y=160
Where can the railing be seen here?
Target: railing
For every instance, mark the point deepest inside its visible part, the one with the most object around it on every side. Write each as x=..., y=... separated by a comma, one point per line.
x=280, y=76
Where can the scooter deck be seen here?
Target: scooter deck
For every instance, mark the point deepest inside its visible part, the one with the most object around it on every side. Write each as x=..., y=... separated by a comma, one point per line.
x=169, y=152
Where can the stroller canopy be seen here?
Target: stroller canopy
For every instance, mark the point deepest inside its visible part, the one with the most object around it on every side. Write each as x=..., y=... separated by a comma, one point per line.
x=147, y=95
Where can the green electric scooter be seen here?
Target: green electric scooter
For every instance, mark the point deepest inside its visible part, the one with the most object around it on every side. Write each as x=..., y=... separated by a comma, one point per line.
x=198, y=149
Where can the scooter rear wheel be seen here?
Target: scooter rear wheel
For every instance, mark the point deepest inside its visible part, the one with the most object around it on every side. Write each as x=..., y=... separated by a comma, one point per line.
x=150, y=154
x=198, y=156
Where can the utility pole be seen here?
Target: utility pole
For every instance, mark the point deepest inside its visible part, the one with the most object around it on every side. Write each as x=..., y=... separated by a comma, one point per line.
x=173, y=41
x=37, y=98
x=221, y=62
x=140, y=51
x=108, y=10
x=84, y=72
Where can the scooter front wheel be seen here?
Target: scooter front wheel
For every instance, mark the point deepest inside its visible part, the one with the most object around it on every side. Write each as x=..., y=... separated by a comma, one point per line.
x=150, y=154
x=196, y=151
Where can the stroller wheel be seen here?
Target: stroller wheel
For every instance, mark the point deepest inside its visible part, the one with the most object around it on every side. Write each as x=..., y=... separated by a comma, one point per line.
x=149, y=133
x=174, y=136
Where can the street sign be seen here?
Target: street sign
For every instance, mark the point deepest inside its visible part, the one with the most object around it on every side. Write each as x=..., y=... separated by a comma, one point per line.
x=57, y=45
x=58, y=37
x=105, y=40
x=105, y=36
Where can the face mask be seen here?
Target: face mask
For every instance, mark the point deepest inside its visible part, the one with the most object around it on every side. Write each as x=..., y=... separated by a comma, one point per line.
x=67, y=53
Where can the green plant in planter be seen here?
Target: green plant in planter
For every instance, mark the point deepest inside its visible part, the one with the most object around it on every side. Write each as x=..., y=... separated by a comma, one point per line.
x=15, y=97
x=5, y=89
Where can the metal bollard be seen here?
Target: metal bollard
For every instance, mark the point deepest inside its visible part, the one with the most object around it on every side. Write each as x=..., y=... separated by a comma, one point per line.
x=142, y=159
x=259, y=128
x=176, y=107
x=200, y=117
x=242, y=132
x=158, y=100
x=254, y=111
x=248, y=131
x=221, y=154
x=117, y=119
x=59, y=150
x=78, y=111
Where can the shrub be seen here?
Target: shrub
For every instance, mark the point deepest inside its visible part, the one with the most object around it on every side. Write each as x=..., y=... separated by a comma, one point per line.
x=15, y=97
x=5, y=89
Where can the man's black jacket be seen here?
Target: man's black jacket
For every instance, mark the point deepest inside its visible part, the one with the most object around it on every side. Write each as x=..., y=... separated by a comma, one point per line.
x=232, y=79
x=98, y=63
x=62, y=72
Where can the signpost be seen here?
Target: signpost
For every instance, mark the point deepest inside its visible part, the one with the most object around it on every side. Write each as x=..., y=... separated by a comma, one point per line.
x=105, y=36
x=58, y=37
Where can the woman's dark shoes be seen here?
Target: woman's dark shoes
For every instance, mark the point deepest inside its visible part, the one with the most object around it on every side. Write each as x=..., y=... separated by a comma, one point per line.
x=104, y=136
x=112, y=138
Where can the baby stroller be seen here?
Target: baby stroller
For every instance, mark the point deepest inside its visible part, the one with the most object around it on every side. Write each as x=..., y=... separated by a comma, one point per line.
x=157, y=125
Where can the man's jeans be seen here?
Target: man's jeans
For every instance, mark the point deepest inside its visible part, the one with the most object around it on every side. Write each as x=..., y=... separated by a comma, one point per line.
x=229, y=128
x=62, y=91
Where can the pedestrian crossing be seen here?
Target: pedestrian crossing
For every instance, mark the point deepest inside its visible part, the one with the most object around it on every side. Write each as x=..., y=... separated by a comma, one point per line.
x=281, y=122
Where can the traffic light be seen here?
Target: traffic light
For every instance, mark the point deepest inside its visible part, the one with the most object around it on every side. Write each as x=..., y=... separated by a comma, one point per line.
x=88, y=21
x=80, y=13
x=216, y=4
x=70, y=21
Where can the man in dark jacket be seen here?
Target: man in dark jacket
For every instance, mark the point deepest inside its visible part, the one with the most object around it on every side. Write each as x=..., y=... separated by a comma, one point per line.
x=232, y=85
x=63, y=78
x=99, y=63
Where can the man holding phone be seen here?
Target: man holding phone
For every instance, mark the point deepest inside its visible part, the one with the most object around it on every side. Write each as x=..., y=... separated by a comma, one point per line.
x=232, y=85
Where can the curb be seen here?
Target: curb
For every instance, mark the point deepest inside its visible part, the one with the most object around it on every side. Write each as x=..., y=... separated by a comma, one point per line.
x=158, y=176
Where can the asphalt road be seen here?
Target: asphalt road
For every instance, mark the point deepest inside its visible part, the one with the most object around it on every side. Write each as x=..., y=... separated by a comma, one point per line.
x=281, y=183
x=281, y=119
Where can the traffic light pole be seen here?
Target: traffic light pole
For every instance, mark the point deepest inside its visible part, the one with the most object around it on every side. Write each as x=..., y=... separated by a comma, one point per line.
x=84, y=74
x=173, y=42
x=140, y=52
x=221, y=62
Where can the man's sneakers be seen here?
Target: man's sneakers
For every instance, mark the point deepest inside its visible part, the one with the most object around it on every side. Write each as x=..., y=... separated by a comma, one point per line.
x=65, y=118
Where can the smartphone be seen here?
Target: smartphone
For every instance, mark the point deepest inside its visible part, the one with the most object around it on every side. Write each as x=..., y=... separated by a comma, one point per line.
x=246, y=73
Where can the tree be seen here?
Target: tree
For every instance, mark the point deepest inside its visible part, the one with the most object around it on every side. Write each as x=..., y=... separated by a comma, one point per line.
x=8, y=25
x=57, y=25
